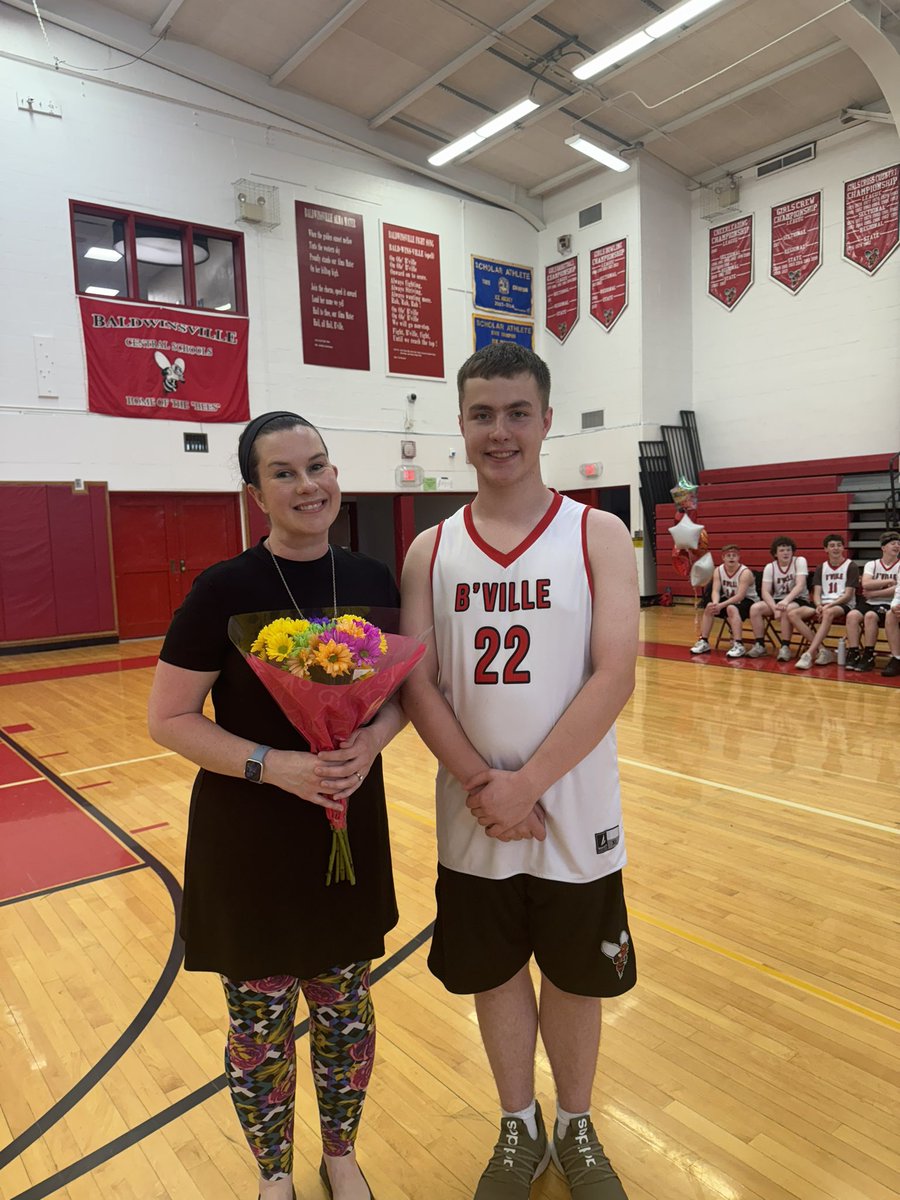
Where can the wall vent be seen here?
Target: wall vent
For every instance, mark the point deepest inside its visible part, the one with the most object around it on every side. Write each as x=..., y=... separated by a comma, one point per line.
x=592, y=420
x=196, y=443
x=791, y=158
x=588, y=216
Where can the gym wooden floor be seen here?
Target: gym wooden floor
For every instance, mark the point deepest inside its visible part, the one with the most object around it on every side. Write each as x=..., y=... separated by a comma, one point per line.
x=758, y=1056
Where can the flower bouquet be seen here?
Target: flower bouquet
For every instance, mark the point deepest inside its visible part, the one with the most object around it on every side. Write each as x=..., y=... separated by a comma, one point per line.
x=329, y=675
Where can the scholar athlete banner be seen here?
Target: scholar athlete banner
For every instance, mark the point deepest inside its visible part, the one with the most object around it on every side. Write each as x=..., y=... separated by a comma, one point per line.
x=609, y=282
x=487, y=330
x=872, y=218
x=561, y=297
x=334, y=317
x=796, y=241
x=412, y=284
x=164, y=363
x=502, y=287
x=730, y=261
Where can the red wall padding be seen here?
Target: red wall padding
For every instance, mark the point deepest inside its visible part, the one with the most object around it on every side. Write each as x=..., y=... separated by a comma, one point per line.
x=55, y=579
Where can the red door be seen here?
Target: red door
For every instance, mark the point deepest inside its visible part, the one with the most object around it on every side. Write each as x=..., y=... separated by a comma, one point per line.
x=161, y=542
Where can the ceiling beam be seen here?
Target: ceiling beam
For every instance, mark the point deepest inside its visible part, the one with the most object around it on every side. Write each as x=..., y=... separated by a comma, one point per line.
x=312, y=44
x=460, y=61
x=166, y=17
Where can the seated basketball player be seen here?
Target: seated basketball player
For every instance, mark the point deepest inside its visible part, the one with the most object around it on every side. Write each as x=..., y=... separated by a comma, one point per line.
x=783, y=588
x=879, y=580
x=733, y=593
x=834, y=595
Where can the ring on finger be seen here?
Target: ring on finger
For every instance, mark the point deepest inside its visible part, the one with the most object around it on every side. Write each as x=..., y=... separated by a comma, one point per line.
x=358, y=776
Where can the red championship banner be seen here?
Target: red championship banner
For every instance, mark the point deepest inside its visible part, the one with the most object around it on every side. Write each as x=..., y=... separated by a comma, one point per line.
x=561, y=287
x=333, y=313
x=872, y=218
x=796, y=241
x=609, y=282
x=730, y=260
x=412, y=285
x=165, y=363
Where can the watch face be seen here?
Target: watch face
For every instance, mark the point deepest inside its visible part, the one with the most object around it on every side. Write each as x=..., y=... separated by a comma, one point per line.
x=253, y=770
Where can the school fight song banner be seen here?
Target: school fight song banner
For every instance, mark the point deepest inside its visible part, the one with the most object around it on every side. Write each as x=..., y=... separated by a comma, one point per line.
x=333, y=311
x=561, y=297
x=730, y=261
x=872, y=218
x=164, y=363
x=412, y=283
x=609, y=282
x=796, y=241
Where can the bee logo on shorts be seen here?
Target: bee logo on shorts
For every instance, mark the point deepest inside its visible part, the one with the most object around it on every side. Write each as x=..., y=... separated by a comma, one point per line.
x=618, y=952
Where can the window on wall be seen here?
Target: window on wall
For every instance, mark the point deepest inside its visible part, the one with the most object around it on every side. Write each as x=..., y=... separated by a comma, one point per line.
x=138, y=257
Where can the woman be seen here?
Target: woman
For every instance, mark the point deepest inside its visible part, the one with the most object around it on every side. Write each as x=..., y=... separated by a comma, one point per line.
x=256, y=909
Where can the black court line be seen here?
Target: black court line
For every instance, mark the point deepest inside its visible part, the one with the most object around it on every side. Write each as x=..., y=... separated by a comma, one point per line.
x=62, y=887
x=150, y=1006
x=153, y=1124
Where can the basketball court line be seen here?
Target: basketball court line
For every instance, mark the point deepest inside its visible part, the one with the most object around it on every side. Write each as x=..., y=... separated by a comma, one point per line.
x=122, y=762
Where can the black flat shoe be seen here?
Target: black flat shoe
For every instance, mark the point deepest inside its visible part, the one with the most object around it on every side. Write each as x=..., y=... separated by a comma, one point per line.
x=326, y=1182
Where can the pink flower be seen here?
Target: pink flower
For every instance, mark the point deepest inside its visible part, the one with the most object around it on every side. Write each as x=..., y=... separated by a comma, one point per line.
x=271, y=985
x=363, y=1050
x=359, y=1077
x=281, y=1093
x=333, y=1146
x=244, y=1053
x=321, y=993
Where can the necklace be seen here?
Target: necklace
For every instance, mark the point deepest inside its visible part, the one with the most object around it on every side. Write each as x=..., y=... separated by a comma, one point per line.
x=291, y=594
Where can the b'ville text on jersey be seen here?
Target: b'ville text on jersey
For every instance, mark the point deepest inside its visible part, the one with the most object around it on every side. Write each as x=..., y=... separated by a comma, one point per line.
x=507, y=596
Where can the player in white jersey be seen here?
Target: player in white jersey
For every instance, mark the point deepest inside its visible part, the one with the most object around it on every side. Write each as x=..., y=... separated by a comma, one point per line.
x=833, y=597
x=783, y=587
x=733, y=594
x=534, y=604
x=892, y=629
x=879, y=580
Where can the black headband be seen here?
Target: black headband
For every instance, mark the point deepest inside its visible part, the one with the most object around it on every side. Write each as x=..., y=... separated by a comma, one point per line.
x=251, y=433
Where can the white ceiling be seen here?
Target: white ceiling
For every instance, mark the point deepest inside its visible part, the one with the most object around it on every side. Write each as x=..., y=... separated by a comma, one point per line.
x=750, y=77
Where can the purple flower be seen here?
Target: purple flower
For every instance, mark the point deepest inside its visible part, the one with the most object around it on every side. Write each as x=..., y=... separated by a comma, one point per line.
x=271, y=985
x=244, y=1053
x=364, y=1049
x=321, y=993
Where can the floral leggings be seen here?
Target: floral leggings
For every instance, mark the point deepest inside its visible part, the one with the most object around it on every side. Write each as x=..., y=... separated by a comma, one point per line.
x=261, y=1061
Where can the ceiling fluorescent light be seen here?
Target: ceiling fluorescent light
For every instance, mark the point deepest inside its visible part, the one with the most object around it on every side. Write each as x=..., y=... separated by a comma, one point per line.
x=598, y=153
x=508, y=117
x=99, y=291
x=678, y=16
x=103, y=254
x=455, y=149
x=613, y=54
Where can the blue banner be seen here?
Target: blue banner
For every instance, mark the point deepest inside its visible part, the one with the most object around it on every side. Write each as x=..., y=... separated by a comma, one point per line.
x=494, y=329
x=503, y=287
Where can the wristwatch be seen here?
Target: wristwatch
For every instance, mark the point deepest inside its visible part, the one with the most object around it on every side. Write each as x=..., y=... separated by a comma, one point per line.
x=253, y=767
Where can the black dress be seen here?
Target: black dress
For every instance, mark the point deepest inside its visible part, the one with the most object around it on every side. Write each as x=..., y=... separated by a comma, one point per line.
x=255, y=900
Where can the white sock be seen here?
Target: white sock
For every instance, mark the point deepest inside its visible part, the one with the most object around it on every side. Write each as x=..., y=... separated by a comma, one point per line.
x=528, y=1115
x=563, y=1118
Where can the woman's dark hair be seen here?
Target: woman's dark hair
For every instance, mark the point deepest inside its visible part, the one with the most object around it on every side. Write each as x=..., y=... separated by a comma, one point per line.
x=783, y=541
x=272, y=422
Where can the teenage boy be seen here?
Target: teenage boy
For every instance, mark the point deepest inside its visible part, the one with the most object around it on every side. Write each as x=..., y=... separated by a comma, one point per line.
x=734, y=593
x=879, y=581
x=892, y=629
x=783, y=588
x=534, y=603
x=833, y=597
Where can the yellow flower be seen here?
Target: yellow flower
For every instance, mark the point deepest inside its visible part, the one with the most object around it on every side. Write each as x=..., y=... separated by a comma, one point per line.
x=334, y=658
x=278, y=645
x=350, y=624
x=383, y=644
x=299, y=666
x=259, y=645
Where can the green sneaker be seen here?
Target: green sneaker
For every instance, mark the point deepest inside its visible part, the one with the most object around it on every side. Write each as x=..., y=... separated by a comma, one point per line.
x=580, y=1158
x=517, y=1161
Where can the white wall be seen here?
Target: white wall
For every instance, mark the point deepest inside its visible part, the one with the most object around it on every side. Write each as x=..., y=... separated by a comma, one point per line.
x=812, y=375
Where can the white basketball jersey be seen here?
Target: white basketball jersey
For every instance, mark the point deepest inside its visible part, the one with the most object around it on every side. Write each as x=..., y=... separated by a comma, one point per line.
x=834, y=583
x=877, y=570
x=513, y=642
x=728, y=584
x=782, y=582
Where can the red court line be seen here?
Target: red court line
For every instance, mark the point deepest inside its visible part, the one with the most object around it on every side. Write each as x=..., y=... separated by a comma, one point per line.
x=83, y=787
x=770, y=664
x=18, y=728
x=53, y=754
x=106, y=667
x=146, y=828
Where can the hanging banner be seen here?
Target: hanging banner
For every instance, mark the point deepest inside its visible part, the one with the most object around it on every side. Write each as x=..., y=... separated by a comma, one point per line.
x=561, y=285
x=412, y=285
x=730, y=261
x=487, y=330
x=331, y=255
x=165, y=363
x=609, y=282
x=872, y=218
x=796, y=241
x=502, y=287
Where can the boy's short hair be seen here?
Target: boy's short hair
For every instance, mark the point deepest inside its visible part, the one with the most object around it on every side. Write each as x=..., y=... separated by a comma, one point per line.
x=832, y=537
x=783, y=541
x=731, y=546
x=505, y=360
x=890, y=535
